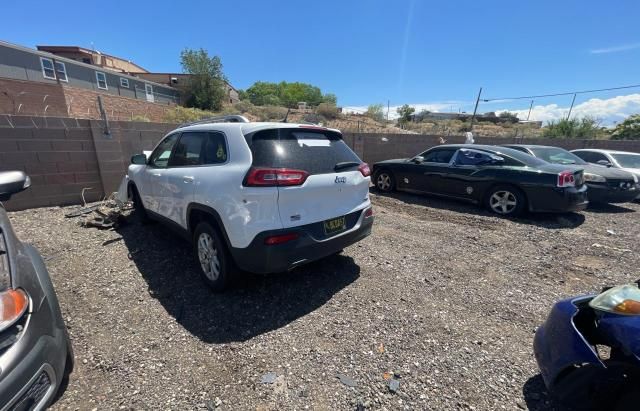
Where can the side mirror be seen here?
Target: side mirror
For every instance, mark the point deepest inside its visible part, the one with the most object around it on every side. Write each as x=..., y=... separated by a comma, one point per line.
x=418, y=159
x=12, y=182
x=140, y=159
x=604, y=163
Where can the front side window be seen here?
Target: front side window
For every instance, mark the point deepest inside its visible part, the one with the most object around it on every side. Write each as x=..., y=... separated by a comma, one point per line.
x=160, y=156
x=47, y=68
x=442, y=155
x=61, y=71
x=101, y=79
x=124, y=82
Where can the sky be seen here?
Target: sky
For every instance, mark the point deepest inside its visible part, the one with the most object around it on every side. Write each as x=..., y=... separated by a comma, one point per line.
x=432, y=55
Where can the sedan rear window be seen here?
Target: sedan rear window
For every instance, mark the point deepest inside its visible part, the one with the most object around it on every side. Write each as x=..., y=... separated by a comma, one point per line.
x=315, y=151
x=557, y=155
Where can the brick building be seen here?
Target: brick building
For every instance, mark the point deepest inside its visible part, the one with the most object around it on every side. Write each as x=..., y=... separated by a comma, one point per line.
x=35, y=82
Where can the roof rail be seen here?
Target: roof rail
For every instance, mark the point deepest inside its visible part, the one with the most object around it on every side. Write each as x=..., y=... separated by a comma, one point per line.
x=232, y=118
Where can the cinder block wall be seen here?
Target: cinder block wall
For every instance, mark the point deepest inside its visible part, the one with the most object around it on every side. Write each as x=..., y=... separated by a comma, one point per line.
x=65, y=155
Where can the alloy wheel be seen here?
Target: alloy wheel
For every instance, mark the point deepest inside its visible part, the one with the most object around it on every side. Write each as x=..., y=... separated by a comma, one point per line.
x=503, y=202
x=208, y=256
x=384, y=182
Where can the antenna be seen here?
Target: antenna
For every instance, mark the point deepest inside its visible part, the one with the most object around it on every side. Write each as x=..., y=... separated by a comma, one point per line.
x=284, y=120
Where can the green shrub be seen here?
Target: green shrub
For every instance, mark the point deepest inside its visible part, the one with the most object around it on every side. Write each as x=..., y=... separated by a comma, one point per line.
x=140, y=118
x=180, y=115
x=327, y=110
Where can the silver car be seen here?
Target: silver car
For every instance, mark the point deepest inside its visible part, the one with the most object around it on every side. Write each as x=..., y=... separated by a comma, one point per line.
x=35, y=351
x=624, y=160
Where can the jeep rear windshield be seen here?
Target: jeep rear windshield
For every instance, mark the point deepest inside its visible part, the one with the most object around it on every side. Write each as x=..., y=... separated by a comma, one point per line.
x=314, y=151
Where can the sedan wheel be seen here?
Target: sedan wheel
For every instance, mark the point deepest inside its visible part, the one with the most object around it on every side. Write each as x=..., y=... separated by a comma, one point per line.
x=208, y=256
x=503, y=202
x=384, y=181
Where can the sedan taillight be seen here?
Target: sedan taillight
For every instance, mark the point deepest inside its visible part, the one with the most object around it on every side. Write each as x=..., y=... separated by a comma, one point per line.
x=566, y=179
x=270, y=177
x=364, y=169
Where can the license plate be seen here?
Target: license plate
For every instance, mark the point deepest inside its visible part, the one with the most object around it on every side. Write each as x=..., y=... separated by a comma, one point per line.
x=335, y=225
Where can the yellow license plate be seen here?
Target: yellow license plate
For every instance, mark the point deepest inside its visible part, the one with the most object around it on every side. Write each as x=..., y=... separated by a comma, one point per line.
x=335, y=225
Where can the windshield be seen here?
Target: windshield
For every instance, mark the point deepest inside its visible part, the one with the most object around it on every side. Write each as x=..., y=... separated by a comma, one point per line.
x=556, y=155
x=627, y=160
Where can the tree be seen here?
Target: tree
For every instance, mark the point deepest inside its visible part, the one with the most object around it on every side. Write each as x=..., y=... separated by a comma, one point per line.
x=206, y=87
x=508, y=116
x=629, y=129
x=405, y=113
x=585, y=127
x=263, y=93
x=375, y=111
x=330, y=98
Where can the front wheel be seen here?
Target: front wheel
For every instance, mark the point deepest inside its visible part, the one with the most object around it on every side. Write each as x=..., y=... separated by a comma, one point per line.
x=138, y=208
x=506, y=200
x=216, y=265
x=384, y=181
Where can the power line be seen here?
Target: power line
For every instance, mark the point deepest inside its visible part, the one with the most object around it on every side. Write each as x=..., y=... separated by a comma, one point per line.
x=562, y=94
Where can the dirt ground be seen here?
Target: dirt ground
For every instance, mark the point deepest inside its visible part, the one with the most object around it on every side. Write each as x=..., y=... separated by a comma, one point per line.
x=443, y=298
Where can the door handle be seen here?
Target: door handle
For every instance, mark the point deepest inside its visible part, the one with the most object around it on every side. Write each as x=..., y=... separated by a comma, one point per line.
x=188, y=179
x=156, y=174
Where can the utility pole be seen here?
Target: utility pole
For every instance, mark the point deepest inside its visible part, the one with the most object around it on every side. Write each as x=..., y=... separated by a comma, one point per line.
x=530, y=107
x=571, y=108
x=475, y=109
x=388, y=102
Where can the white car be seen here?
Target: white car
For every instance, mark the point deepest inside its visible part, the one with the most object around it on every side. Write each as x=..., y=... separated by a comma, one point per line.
x=624, y=160
x=262, y=197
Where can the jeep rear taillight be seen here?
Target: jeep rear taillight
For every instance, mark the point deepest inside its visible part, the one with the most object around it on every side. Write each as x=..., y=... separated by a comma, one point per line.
x=364, y=169
x=280, y=239
x=270, y=177
x=566, y=179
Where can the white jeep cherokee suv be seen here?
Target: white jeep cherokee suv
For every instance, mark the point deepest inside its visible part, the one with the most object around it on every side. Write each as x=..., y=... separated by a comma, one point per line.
x=262, y=197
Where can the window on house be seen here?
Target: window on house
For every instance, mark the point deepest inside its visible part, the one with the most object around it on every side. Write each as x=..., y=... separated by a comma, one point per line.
x=61, y=71
x=124, y=82
x=102, y=80
x=47, y=68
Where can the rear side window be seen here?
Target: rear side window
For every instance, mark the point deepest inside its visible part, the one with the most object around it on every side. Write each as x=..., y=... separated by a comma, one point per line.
x=316, y=152
x=199, y=148
x=188, y=150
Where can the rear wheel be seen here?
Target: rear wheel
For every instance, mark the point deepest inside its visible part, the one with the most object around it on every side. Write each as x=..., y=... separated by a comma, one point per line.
x=384, y=180
x=216, y=265
x=506, y=200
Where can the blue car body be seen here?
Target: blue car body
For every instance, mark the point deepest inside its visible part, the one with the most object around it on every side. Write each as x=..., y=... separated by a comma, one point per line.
x=565, y=350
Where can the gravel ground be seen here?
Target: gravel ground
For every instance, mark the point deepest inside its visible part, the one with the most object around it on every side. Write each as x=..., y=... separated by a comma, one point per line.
x=442, y=298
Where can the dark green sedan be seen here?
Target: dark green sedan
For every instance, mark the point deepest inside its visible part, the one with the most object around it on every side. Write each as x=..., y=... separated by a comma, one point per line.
x=506, y=181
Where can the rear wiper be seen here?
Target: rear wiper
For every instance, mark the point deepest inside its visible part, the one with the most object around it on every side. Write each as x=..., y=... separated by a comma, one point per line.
x=345, y=164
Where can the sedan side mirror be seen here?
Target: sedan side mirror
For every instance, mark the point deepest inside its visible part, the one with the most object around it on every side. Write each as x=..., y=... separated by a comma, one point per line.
x=604, y=163
x=12, y=182
x=418, y=159
x=140, y=159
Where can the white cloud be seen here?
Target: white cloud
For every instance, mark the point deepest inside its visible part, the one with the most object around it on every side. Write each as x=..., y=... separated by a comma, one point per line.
x=393, y=113
x=615, y=49
x=609, y=110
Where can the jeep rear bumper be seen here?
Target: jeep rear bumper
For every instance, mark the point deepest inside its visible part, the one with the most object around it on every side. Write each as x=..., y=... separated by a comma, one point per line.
x=310, y=245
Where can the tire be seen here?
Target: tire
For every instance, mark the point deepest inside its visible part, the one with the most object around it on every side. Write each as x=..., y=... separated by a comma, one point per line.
x=215, y=262
x=506, y=200
x=138, y=208
x=384, y=181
